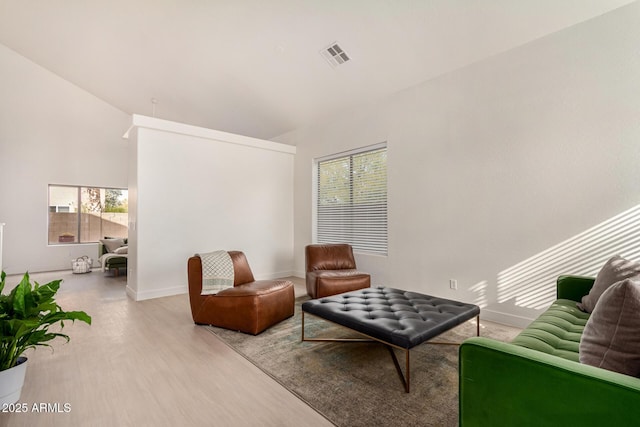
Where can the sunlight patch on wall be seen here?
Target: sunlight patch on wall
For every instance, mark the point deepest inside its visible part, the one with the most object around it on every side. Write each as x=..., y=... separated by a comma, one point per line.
x=480, y=288
x=531, y=283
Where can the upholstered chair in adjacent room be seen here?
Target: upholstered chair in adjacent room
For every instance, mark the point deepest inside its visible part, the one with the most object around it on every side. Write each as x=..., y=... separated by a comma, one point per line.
x=113, y=253
x=250, y=306
x=331, y=269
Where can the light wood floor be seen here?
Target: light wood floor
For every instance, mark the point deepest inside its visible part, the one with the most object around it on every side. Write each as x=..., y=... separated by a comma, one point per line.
x=146, y=364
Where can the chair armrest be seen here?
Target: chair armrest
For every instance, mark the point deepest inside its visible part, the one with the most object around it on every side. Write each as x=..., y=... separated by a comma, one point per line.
x=502, y=384
x=573, y=287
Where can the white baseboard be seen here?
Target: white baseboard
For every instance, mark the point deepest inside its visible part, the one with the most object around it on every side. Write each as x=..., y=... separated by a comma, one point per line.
x=272, y=276
x=178, y=290
x=505, y=318
x=156, y=293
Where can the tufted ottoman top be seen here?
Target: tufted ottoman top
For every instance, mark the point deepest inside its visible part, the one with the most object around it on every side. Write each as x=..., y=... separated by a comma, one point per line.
x=402, y=318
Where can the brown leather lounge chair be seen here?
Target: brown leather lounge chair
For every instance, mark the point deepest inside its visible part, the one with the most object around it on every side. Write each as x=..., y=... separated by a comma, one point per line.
x=250, y=306
x=331, y=269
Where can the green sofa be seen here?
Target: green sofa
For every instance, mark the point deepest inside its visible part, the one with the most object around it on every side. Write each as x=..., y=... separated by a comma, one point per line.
x=536, y=380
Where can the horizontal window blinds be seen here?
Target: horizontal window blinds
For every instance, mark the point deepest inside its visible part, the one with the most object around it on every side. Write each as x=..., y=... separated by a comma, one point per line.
x=352, y=201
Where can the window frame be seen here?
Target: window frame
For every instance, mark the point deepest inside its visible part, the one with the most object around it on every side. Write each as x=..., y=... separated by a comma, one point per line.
x=78, y=229
x=383, y=248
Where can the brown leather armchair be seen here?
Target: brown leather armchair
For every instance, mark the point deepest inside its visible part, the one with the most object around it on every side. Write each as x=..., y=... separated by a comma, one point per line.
x=250, y=306
x=331, y=269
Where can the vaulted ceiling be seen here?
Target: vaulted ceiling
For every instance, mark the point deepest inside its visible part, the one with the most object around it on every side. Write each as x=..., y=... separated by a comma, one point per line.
x=254, y=67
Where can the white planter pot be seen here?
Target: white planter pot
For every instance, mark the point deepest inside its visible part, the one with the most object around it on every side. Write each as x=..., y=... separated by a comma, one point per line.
x=11, y=381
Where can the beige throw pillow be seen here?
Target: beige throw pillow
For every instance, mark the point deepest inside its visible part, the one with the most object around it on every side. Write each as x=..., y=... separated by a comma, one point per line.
x=613, y=271
x=610, y=339
x=112, y=244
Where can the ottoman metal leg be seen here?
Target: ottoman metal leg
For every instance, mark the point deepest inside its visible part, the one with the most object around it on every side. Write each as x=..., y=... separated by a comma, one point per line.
x=404, y=377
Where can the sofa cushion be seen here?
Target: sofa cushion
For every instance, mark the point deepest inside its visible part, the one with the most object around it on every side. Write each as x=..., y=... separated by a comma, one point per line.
x=557, y=331
x=610, y=339
x=324, y=283
x=333, y=256
x=336, y=274
x=112, y=244
x=613, y=271
x=121, y=250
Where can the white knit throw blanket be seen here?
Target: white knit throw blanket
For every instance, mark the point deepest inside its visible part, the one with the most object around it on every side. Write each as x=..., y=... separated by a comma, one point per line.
x=217, y=272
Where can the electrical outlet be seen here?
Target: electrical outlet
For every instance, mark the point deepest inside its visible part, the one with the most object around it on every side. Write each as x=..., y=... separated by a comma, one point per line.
x=453, y=284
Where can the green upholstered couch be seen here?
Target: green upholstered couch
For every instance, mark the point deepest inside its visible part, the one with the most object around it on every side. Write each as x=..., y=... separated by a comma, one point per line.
x=536, y=380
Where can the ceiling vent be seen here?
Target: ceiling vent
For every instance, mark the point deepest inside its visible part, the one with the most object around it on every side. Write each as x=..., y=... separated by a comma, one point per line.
x=334, y=55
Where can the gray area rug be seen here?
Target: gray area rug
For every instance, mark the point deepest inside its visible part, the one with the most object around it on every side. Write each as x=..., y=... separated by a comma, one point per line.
x=356, y=384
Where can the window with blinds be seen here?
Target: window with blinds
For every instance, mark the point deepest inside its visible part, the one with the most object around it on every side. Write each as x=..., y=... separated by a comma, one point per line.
x=352, y=200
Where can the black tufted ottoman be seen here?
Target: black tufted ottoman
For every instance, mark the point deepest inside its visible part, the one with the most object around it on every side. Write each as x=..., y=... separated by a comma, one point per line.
x=396, y=318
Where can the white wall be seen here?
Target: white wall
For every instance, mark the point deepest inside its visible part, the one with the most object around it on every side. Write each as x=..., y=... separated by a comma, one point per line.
x=51, y=132
x=494, y=163
x=195, y=190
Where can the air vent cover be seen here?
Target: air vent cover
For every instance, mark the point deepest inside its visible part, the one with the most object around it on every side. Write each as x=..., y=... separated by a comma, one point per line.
x=335, y=55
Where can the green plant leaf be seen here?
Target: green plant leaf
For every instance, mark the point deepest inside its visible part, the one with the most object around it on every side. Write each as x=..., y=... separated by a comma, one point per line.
x=26, y=315
x=18, y=293
x=45, y=293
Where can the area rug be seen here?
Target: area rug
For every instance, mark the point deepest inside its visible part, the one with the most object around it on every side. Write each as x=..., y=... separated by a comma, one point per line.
x=356, y=384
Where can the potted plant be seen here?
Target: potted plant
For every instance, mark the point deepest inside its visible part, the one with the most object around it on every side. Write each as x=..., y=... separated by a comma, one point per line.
x=26, y=314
